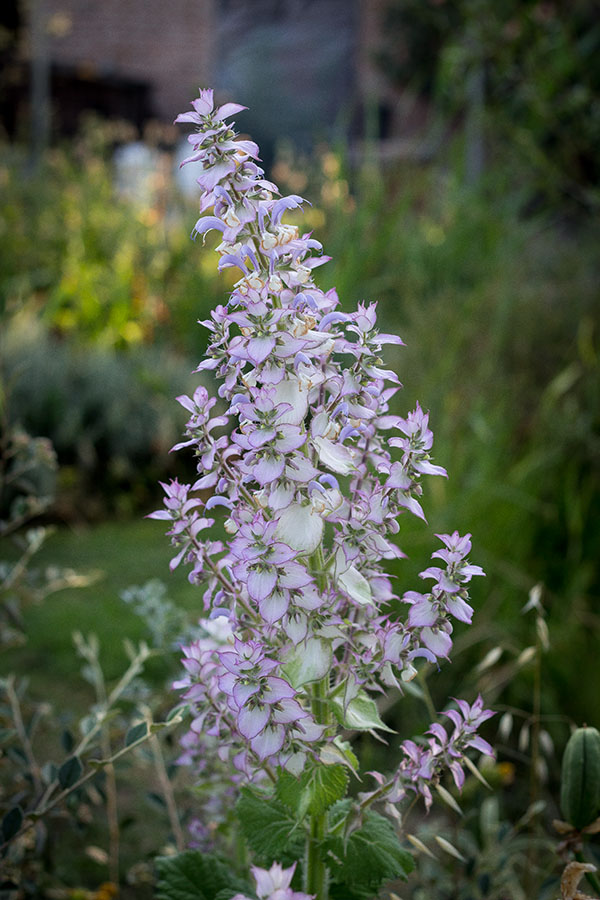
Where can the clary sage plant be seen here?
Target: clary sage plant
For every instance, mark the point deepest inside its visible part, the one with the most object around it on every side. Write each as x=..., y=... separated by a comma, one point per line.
x=310, y=471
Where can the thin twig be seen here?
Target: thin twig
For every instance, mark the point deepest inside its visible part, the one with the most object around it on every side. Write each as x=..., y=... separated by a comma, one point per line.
x=167, y=792
x=22, y=733
x=112, y=808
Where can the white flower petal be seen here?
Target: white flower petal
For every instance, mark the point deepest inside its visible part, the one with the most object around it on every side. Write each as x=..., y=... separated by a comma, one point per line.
x=335, y=456
x=281, y=496
x=309, y=662
x=261, y=583
x=300, y=527
x=356, y=586
x=290, y=391
x=252, y=720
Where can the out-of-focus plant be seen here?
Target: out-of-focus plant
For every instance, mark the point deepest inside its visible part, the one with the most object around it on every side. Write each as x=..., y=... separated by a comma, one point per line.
x=95, y=263
x=509, y=843
x=495, y=840
x=580, y=800
x=27, y=483
x=167, y=623
x=106, y=413
x=481, y=854
x=538, y=62
x=42, y=801
x=84, y=272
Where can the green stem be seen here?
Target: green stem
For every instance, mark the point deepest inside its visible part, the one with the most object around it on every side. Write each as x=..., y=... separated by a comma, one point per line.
x=317, y=568
x=166, y=788
x=13, y=698
x=315, y=874
x=319, y=701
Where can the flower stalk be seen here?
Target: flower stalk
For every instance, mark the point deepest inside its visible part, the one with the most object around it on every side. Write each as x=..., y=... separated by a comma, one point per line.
x=312, y=471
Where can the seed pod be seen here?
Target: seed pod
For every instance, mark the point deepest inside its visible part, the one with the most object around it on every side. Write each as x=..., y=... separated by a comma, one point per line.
x=580, y=784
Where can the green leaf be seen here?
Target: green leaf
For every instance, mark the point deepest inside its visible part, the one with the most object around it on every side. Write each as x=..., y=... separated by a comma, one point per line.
x=87, y=723
x=270, y=829
x=289, y=791
x=192, y=875
x=361, y=714
x=70, y=772
x=49, y=772
x=136, y=733
x=318, y=788
x=11, y=822
x=370, y=856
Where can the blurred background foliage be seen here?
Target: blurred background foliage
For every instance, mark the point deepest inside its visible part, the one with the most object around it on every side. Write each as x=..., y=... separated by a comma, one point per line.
x=538, y=64
x=492, y=285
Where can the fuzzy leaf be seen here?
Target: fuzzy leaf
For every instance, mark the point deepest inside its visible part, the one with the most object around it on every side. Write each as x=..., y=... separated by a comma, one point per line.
x=67, y=740
x=192, y=875
x=318, y=788
x=357, y=586
x=135, y=733
x=371, y=855
x=11, y=822
x=269, y=827
x=176, y=713
x=69, y=772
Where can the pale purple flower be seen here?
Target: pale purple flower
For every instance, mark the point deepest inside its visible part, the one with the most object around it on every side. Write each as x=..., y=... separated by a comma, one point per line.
x=297, y=449
x=274, y=884
x=423, y=764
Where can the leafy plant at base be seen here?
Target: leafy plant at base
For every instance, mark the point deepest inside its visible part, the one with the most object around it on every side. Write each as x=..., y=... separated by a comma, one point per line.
x=270, y=828
x=368, y=857
x=318, y=788
x=196, y=876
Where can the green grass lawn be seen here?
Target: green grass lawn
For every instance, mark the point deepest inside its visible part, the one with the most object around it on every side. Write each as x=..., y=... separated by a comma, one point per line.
x=123, y=554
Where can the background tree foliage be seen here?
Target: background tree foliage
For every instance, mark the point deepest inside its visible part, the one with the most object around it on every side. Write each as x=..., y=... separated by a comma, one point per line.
x=541, y=67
